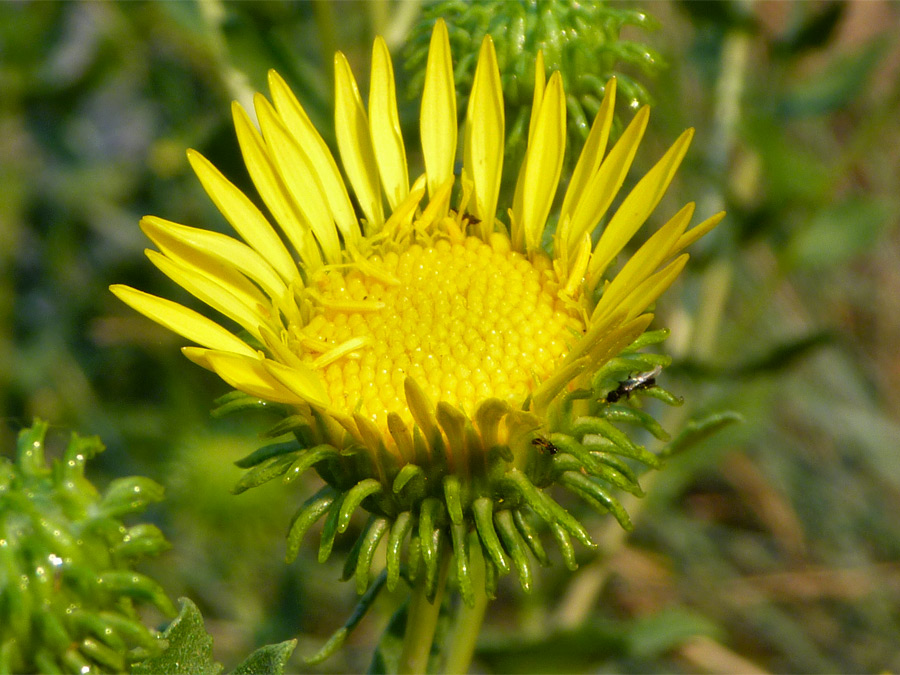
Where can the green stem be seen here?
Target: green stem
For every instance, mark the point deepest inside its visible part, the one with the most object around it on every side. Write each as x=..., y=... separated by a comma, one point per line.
x=421, y=621
x=467, y=624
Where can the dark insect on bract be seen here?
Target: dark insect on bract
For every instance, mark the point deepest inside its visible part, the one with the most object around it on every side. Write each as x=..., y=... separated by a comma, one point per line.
x=544, y=444
x=639, y=381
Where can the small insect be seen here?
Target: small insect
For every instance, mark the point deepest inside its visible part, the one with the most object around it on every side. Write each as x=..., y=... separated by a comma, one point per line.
x=544, y=444
x=472, y=219
x=632, y=384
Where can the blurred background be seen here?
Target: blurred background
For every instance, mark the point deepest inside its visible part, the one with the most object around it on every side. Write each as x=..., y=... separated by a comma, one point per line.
x=772, y=546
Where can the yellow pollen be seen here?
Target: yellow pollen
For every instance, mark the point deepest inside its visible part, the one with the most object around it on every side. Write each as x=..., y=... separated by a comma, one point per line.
x=467, y=321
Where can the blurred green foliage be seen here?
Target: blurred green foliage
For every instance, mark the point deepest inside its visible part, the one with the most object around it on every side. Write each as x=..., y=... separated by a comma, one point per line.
x=773, y=545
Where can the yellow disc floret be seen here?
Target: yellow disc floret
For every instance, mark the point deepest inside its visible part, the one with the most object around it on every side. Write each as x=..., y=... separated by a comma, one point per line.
x=467, y=320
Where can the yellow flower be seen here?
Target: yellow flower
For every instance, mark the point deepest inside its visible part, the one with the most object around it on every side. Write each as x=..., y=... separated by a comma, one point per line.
x=423, y=337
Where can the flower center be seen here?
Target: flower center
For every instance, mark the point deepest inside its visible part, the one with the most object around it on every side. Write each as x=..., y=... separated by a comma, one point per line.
x=467, y=320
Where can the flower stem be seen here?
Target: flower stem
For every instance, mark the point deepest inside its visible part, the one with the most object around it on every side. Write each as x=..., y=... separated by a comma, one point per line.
x=421, y=621
x=467, y=624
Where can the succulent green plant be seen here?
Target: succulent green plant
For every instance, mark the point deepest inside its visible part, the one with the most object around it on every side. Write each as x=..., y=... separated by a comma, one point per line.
x=67, y=581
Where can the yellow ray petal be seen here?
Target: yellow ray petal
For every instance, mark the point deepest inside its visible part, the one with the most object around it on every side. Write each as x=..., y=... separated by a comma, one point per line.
x=697, y=231
x=243, y=215
x=302, y=381
x=277, y=349
x=437, y=121
x=355, y=142
x=224, y=274
x=540, y=81
x=181, y=320
x=559, y=380
x=422, y=409
x=637, y=206
x=517, y=237
x=483, y=151
x=335, y=353
x=645, y=261
x=404, y=212
x=384, y=122
x=544, y=163
x=653, y=287
x=244, y=373
x=185, y=243
x=578, y=267
x=298, y=123
x=440, y=201
x=274, y=193
x=300, y=178
x=594, y=200
x=588, y=163
x=595, y=332
x=227, y=300
x=617, y=339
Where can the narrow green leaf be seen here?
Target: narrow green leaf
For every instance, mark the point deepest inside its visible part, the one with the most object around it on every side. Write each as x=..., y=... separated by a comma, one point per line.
x=354, y=498
x=432, y=511
x=267, y=452
x=513, y=545
x=624, y=445
x=597, y=496
x=309, y=459
x=399, y=530
x=311, y=510
x=263, y=473
x=530, y=536
x=406, y=474
x=627, y=414
x=329, y=529
x=370, y=541
x=483, y=509
x=460, y=540
x=565, y=546
x=453, y=498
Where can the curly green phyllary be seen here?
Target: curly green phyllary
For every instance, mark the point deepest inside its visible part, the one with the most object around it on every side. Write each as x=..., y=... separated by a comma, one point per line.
x=67, y=583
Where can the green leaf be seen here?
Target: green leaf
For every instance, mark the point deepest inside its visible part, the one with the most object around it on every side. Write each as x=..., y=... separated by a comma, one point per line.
x=838, y=233
x=268, y=659
x=189, y=650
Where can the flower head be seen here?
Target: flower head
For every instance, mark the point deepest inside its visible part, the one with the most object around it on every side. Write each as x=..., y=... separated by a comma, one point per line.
x=440, y=367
